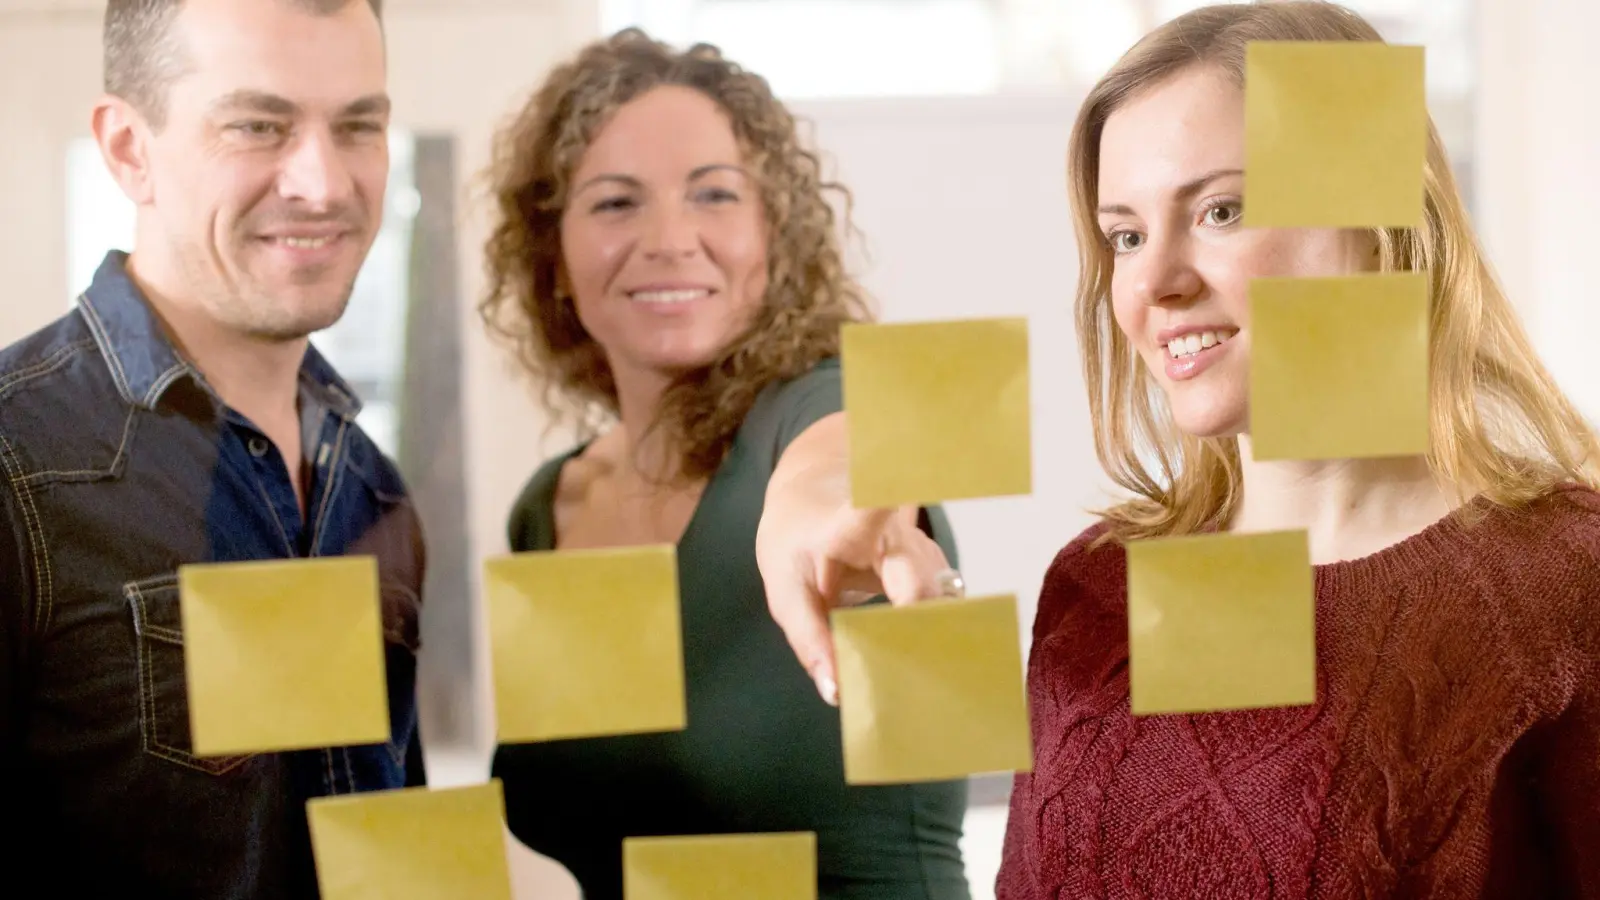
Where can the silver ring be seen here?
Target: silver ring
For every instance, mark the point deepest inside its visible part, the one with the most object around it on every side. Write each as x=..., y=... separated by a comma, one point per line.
x=951, y=584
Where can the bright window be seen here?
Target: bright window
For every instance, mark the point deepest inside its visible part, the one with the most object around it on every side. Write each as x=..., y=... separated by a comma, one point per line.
x=859, y=48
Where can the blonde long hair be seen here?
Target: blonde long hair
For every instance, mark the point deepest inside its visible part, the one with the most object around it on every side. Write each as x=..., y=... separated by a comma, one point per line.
x=1500, y=426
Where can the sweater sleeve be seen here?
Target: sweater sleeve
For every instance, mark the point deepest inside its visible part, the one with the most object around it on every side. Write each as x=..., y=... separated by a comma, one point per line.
x=1016, y=878
x=1569, y=777
x=1567, y=765
x=1020, y=856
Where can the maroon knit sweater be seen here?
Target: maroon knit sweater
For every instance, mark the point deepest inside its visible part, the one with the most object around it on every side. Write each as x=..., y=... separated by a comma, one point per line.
x=1453, y=752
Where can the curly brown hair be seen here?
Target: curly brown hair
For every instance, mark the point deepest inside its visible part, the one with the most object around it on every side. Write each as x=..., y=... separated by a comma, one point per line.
x=809, y=294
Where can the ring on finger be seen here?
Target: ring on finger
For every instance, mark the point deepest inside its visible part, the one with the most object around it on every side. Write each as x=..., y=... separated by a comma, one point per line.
x=951, y=584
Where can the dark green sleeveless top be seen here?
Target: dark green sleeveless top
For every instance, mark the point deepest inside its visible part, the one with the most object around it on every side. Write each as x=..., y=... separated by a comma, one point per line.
x=762, y=752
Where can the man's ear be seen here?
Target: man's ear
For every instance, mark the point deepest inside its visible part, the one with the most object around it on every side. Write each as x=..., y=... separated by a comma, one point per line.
x=124, y=135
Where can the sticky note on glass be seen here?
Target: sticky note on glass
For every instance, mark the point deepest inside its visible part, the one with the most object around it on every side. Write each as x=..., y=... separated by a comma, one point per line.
x=412, y=844
x=586, y=643
x=1339, y=367
x=1221, y=622
x=780, y=866
x=937, y=411
x=283, y=654
x=1335, y=134
x=932, y=691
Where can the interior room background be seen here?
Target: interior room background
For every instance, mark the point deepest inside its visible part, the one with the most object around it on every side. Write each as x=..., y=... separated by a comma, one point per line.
x=946, y=118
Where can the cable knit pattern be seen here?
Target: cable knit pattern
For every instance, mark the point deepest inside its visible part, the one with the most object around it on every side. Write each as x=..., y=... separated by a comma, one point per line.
x=1453, y=751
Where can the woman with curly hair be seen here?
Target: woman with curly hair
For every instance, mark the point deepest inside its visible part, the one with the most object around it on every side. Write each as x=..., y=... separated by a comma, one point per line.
x=667, y=262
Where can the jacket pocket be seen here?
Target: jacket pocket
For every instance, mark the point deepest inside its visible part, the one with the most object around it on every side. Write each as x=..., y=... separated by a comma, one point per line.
x=163, y=684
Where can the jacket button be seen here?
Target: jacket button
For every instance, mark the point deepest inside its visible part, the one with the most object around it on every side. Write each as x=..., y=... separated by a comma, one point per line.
x=258, y=447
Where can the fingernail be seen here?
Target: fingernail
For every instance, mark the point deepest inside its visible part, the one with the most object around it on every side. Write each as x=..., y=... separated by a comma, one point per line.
x=828, y=690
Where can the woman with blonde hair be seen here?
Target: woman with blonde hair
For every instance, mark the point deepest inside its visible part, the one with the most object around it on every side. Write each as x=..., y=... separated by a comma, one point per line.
x=667, y=262
x=1453, y=750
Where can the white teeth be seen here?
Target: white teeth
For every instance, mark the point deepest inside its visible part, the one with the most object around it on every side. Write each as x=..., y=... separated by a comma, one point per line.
x=306, y=243
x=1190, y=344
x=681, y=296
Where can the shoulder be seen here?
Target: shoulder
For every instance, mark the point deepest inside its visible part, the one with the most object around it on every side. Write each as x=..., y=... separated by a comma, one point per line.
x=1536, y=569
x=1091, y=568
x=1567, y=522
x=60, y=362
x=1090, y=558
x=45, y=350
x=562, y=479
x=1574, y=511
x=374, y=467
x=1557, y=534
x=786, y=408
x=59, y=402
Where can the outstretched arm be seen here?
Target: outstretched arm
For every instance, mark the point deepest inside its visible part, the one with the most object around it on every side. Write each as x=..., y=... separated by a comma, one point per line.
x=816, y=551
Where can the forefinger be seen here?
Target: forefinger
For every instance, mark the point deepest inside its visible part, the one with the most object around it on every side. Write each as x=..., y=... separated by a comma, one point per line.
x=802, y=614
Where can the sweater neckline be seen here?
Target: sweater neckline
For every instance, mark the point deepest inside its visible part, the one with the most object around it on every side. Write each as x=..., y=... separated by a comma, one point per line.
x=1412, y=556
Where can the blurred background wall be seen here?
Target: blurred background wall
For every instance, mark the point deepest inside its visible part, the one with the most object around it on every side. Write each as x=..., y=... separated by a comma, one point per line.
x=948, y=120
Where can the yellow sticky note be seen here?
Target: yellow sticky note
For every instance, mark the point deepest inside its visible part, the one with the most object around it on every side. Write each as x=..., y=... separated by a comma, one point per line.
x=586, y=643
x=932, y=691
x=780, y=866
x=1339, y=367
x=937, y=411
x=412, y=844
x=283, y=654
x=1221, y=622
x=1335, y=134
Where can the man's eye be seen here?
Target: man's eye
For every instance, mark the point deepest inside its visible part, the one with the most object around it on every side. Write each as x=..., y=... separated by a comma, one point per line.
x=258, y=128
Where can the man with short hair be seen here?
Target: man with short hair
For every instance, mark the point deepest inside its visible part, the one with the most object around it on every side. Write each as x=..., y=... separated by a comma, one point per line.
x=179, y=415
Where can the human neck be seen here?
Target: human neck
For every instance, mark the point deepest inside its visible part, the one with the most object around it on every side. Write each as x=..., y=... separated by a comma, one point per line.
x=1349, y=508
x=255, y=377
x=643, y=444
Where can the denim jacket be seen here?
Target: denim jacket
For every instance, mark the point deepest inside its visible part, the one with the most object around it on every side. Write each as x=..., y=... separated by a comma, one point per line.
x=120, y=465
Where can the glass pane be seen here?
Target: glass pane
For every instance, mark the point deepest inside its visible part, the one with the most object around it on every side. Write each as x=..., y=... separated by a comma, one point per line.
x=398, y=345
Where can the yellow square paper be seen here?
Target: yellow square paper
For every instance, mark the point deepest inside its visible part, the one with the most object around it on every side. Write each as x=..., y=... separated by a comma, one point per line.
x=283, y=654
x=1221, y=622
x=932, y=691
x=1335, y=134
x=721, y=867
x=1339, y=367
x=586, y=643
x=937, y=411
x=412, y=844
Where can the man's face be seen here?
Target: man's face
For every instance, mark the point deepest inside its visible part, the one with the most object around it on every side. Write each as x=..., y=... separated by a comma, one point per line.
x=266, y=185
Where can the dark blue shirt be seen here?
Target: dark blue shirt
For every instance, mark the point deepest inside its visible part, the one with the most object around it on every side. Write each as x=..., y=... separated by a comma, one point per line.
x=118, y=465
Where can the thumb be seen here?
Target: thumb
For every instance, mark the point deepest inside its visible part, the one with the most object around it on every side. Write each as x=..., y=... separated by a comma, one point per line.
x=911, y=563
